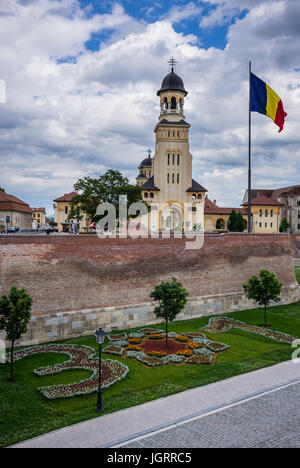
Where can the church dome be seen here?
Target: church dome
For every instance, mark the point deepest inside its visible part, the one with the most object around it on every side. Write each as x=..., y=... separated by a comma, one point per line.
x=172, y=82
x=146, y=163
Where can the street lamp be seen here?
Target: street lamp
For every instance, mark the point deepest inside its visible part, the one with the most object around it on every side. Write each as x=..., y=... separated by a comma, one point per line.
x=100, y=337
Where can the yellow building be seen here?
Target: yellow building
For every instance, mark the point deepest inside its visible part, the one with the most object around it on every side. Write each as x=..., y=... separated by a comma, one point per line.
x=62, y=210
x=216, y=218
x=265, y=214
x=38, y=218
x=166, y=179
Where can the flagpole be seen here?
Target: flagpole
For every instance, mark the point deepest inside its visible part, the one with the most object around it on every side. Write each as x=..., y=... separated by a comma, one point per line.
x=249, y=156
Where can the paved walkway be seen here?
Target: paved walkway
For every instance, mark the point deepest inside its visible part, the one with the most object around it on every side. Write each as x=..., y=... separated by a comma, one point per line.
x=257, y=399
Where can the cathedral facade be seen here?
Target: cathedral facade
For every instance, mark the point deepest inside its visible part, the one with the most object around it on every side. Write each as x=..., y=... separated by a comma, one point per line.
x=176, y=199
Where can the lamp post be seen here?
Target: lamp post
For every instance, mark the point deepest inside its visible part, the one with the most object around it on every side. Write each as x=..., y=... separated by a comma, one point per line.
x=100, y=337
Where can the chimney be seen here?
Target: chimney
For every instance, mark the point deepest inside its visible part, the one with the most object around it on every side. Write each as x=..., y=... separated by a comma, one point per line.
x=215, y=202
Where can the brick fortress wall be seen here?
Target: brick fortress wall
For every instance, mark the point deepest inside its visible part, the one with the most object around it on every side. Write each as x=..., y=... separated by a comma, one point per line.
x=99, y=279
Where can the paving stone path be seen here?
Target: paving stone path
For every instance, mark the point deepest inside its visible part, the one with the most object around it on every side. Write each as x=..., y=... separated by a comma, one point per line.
x=268, y=421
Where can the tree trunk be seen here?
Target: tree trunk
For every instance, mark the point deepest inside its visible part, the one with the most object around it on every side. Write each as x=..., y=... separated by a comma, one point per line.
x=12, y=361
x=166, y=333
x=265, y=316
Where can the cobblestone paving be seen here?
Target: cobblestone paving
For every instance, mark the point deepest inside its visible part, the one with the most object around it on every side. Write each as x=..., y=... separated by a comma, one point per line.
x=271, y=420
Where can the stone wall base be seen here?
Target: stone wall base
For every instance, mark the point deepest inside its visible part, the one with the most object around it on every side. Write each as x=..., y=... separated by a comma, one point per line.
x=67, y=325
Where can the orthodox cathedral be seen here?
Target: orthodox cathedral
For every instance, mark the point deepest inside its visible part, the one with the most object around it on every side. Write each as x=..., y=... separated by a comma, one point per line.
x=166, y=178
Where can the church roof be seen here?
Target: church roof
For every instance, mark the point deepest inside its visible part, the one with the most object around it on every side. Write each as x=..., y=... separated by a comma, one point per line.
x=167, y=122
x=172, y=82
x=147, y=162
x=196, y=187
x=149, y=185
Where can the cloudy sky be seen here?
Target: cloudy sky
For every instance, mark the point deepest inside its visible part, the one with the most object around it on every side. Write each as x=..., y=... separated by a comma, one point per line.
x=81, y=78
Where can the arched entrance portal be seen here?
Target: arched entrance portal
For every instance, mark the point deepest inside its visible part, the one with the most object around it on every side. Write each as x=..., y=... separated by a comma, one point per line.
x=172, y=218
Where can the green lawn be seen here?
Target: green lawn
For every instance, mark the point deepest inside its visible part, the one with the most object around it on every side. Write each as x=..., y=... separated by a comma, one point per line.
x=24, y=413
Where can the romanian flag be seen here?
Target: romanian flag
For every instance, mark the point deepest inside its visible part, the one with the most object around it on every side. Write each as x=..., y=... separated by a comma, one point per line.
x=265, y=101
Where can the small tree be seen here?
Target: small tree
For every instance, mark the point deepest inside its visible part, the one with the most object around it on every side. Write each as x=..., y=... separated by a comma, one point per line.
x=172, y=297
x=263, y=290
x=284, y=225
x=232, y=221
x=15, y=314
x=240, y=223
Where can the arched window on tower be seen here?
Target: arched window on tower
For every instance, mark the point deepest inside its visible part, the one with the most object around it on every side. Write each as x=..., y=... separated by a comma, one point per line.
x=173, y=103
x=168, y=159
x=178, y=159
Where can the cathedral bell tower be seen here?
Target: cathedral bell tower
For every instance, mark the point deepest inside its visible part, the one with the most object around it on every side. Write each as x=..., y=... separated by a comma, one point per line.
x=170, y=185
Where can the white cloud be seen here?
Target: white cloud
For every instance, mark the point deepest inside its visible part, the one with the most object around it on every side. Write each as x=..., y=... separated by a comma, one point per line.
x=180, y=13
x=63, y=121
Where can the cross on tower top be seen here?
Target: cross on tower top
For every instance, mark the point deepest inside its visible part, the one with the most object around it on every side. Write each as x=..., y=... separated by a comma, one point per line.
x=149, y=151
x=172, y=62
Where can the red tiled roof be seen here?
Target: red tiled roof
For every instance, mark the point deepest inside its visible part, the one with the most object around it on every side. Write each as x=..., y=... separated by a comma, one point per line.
x=211, y=208
x=224, y=211
x=67, y=197
x=208, y=203
x=12, y=203
x=264, y=201
x=36, y=210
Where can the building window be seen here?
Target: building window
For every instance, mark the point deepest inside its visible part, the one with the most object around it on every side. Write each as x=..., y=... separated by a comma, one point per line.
x=266, y=225
x=199, y=196
x=168, y=159
x=173, y=178
x=66, y=210
x=173, y=102
x=260, y=225
x=298, y=203
x=194, y=196
x=178, y=159
x=151, y=195
x=169, y=134
x=173, y=159
x=173, y=134
x=178, y=134
x=266, y=213
x=271, y=213
x=177, y=178
x=260, y=213
x=271, y=225
x=168, y=178
x=146, y=195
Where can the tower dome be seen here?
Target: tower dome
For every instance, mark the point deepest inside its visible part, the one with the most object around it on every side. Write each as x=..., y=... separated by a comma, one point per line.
x=172, y=82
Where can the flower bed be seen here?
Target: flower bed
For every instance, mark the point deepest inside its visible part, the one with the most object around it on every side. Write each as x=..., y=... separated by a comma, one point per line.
x=221, y=325
x=181, y=338
x=114, y=349
x=134, y=348
x=156, y=336
x=134, y=341
x=80, y=357
x=194, y=345
x=117, y=336
x=185, y=352
x=148, y=346
x=158, y=354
